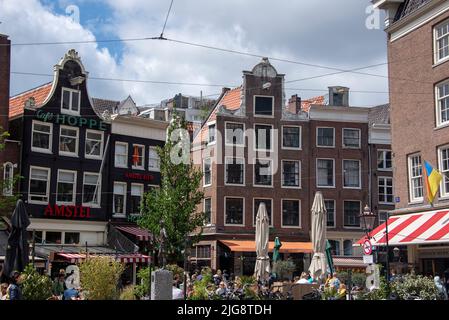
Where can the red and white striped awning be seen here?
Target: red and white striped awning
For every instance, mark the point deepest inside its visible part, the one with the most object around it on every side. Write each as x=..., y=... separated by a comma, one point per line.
x=139, y=233
x=124, y=258
x=416, y=228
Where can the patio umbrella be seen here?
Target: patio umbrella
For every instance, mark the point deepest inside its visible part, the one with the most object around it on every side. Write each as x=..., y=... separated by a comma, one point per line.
x=329, y=259
x=318, y=263
x=276, y=255
x=262, y=268
x=17, y=252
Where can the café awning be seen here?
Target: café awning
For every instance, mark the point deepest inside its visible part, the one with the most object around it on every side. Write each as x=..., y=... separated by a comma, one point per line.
x=124, y=258
x=250, y=246
x=139, y=233
x=416, y=228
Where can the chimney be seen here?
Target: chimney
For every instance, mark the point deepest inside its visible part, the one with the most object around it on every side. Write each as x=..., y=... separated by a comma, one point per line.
x=294, y=104
x=5, y=65
x=224, y=90
x=339, y=96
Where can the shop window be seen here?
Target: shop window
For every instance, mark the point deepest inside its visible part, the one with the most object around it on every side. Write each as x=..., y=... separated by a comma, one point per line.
x=71, y=238
x=53, y=237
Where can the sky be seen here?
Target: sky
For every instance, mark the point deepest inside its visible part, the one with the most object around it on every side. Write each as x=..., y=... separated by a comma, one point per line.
x=320, y=32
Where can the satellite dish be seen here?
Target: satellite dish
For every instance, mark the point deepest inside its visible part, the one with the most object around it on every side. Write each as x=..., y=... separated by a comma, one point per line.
x=73, y=280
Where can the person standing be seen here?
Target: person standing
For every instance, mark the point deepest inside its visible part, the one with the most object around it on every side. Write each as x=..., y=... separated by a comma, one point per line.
x=441, y=289
x=14, y=291
x=58, y=287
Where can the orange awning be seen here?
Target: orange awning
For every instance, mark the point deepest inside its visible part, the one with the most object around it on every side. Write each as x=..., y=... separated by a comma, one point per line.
x=250, y=246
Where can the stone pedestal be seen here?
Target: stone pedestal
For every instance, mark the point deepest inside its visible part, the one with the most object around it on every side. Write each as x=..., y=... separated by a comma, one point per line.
x=162, y=285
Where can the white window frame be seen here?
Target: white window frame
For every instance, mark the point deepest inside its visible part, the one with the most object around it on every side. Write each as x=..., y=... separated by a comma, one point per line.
x=343, y=138
x=204, y=210
x=380, y=212
x=209, y=124
x=254, y=173
x=142, y=186
x=65, y=153
x=74, y=187
x=300, y=137
x=142, y=167
x=225, y=210
x=438, y=110
x=282, y=214
x=226, y=171
x=444, y=194
x=437, y=59
x=204, y=172
x=343, y=174
x=99, y=185
x=384, y=155
x=385, y=187
x=360, y=208
x=87, y=156
x=125, y=192
x=272, y=208
x=8, y=185
x=254, y=106
x=335, y=214
x=118, y=165
x=271, y=137
x=412, y=198
x=70, y=111
x=47, y=193
x=226, y=134
x=151, y=168
x=316, y=137
x=316, y=173
x=282, y=174
x=50, y=143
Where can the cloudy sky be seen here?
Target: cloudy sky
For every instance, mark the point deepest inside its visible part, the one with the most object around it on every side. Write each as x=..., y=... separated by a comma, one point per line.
x=320, y=32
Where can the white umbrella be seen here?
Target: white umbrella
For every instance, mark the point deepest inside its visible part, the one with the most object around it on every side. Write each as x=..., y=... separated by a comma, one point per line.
x=262, y=268
x=318, y=264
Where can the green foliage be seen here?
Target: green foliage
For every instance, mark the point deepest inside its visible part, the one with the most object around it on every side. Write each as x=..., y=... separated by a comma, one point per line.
x=415, y=285
x=248, y=283
x=329, y=293
x=99, y=278
x=176, y=201
x=128, y=293
x=358, y=278
x=176, y=270
x=34, y=285
x=143, y=278
x=284, y=268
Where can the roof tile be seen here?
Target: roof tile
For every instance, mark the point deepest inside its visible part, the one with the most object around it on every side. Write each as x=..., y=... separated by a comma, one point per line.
x=17, y=103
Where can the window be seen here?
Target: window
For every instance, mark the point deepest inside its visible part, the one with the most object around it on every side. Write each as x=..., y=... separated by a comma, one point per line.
x=325, y=137
x=347, y=248
x=119, y=199
x=384, y=160
x=235, y=134
x=66, y=189
x=71, y=238
x=291, y=137
x=94, y=144
x=444, y=169
x=91, y=189
x=207, y=170
x=415, y=178
x=263, y=137
x=136, y=197
x=53, y=237
x=443, y=104
x=121, y=155
x=154, y=163
x=382, y=217
x=290, y=174
x=325, y=173
x=291, y=213
x=39, y=185
x=234, y=211
x=330, y=208
x=335, y=247
x=385, y=190
x=268, y=205
x=442, y=42
x=351, y=138
x=263, y=175
x=208, y=210
x=68, y=141
x=263, y=106
x=70, y=102
x=8, y=178
x=42, y=137
x=352, y=214
x=351, y=174
x=138, y=159
x=212, y=133
x=235, y=171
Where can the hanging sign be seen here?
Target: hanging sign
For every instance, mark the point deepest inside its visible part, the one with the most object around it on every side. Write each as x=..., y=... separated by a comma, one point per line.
x=68, y=212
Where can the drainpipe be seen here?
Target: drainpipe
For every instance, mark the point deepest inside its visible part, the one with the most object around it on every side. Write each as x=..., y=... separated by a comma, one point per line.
x=369, y=177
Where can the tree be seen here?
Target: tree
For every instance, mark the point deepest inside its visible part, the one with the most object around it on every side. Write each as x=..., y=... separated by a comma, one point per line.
x=175, y=203
x=34, y=285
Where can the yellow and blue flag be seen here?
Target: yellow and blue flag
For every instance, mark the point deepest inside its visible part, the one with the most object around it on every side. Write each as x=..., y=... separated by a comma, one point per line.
x=432, y=179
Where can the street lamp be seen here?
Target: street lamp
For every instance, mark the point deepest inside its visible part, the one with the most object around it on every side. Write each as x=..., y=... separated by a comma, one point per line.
x=368, y=218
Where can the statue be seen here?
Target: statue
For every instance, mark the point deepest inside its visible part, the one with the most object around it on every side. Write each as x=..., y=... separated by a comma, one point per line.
x=162, y=239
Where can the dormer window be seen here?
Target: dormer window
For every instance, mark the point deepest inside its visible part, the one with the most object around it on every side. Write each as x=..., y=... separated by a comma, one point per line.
x=70, y=102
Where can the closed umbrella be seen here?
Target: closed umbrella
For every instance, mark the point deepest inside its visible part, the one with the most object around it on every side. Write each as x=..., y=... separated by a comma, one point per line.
x=277, y=247
x=262, y=268
x=329, y=259
x=318, y=263
x=17, y=252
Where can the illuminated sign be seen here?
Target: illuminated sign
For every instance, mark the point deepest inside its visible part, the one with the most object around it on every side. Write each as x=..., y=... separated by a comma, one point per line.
x=71, y=120
x=139, y=176
x=68, y=212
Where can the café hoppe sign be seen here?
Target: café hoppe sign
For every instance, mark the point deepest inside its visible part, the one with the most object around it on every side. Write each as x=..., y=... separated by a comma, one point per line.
x=75, y=121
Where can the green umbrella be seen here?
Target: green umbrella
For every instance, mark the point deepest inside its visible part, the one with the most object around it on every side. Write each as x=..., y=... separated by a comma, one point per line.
x=330, y=262
x=276, y=256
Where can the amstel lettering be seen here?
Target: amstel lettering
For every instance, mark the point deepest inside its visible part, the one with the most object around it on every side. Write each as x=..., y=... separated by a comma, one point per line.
x=68, y=212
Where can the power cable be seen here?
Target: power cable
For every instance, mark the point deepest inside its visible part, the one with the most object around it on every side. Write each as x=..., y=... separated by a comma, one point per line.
x=166, y=19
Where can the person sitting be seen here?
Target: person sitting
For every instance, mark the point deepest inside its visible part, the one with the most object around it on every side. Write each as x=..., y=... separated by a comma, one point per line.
x=218, y=277
x=71, y=294
x=3, y=291
x=328, y=280
x=222, y=290
x=14, y=291
x=341, y=293
x=178, y=294
x=59, y=285
x=303, y=279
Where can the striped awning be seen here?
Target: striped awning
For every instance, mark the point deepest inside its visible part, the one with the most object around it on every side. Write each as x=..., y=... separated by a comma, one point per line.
x=124, y=258
x=416, y=228
x=250, y=246
x=139, y=233
x=349, y=262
